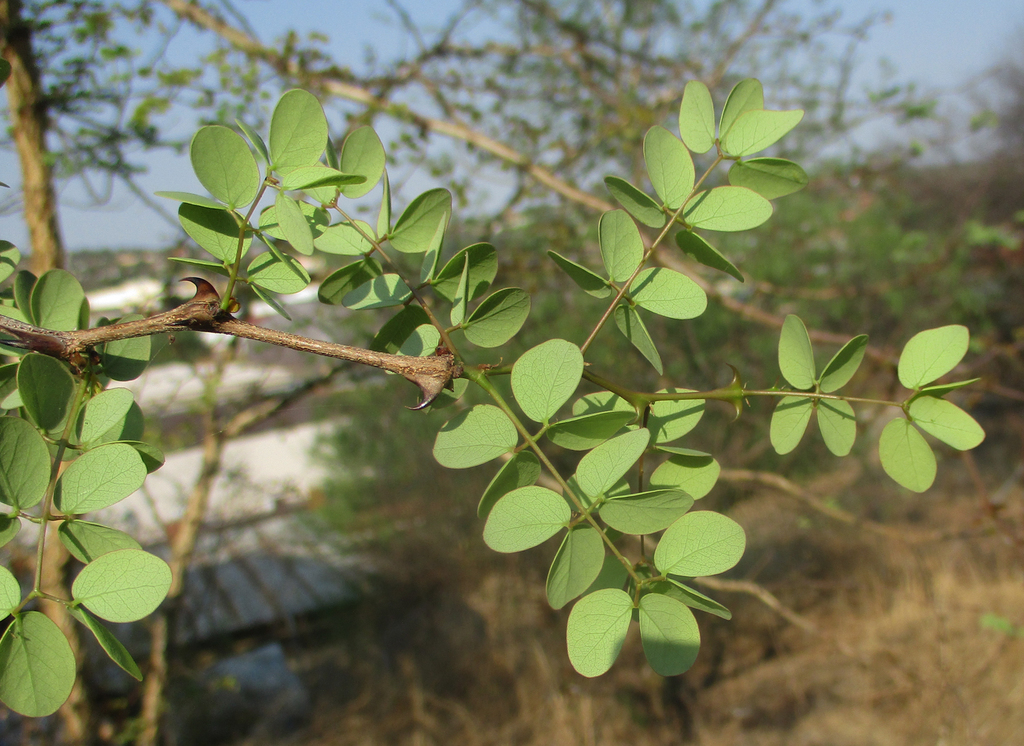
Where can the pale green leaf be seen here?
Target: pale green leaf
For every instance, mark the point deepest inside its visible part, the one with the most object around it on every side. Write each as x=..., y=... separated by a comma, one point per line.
x=796, y=357
x=843, y=365
x=770, y=177
x=747, y=95
x=635, y=202
x=583, y=432
x=317, y=221
x=104, y=412
x=669, y=634
x=613, y=575
x=9, y=258
x=672, y=419
x=596, y=630
x=110, y=644
x=380, y=292
x=942, y=389
x=126, y=359
x=483, y=266
x=38, y=670
x=57, y=300
x=931, y=354
x=86, y=540
x=122, y=586
x=697, y=117
x=384, y=214
x=576, y=565
x=669, y=165
x=257, y=141
x=601, y=401
x=224, y=165
x=590, y=282
x=298, y=131
x=345, y=239
x=600, y=469
x=216, y=231
x=362, y=153
x=399, y=328
x=292, y=224
x=622, y=248
x=628, y=321
x=906, y=456
x=838, y=425
x=205, y=264
x=947, y=422
x=693, y=472
x=460, y=302
x=705, y=253
x=699, y=544
x=522, y=470
x=727, y=208
x=754, y=131
x=10, y=592
x=9, y=528
x=319, y=181
x=24, y=464
x=271, y=273
x=47, y=390
x=525, y=518
x=100, y=478
x=789, y=422
x=696, y=600
x=668, y=293
x=474, y=437
x=193, y=199
x=545, y=376
x=340, y=283
x=498, y=318
x=421, y=227
x=423, y=341
x=645, y=512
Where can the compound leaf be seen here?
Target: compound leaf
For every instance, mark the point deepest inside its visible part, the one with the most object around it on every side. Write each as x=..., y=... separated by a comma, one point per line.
x=947, y=422
x=474, y=437
x=747, y=95
x=122, y=586
x=545, y=376
x=699, y=544
x=596, y=630
x=931, y=354
x=525, y=518
x=38, y=670
x=669, y=634
x=906, y=456
x=576, y=566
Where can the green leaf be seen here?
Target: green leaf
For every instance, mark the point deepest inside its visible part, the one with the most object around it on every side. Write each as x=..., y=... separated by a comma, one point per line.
x=672, y=419
x=796, y=357
x=9, y=396
x=110, y=644
x=693, y=472
x=217, y=267
x=474, y=437
x=525, y=518
x=126, y=359
x=585, y=431
x=380, y=292
x=224, y=165
x=38, y=667
x=151, y=456
x=345, y=239
x=99, y=478
x=668, y=293
x=128, y=429
x=635, y=202
x=57, y=300
x=947, y=422
x=483, y=266
x=9, y=528
x=590, y=282
x=727, y=208
x=944, y=388
x=747, y=95
x=398, y=329
x=596, y=630
x=317, y=220
x=9, y=258
x=257, y=142
x=843, y=365
x=622, y=248
x=293, y=224
x=838, y=425
x=319, y=181
x=696, y=600
x=24, y=464
x=602, y=401
x=545, y=376
x=122, y=586
x=628, y=321
x=423, y=341
x=216, y=231
x=697, y=117
x=522, y=470
x=754, y=131
x=705, y=253
x=789, y=421
x=645, y=512
x=460, y=303
x=86, y=540
x=362, y=153
x=669, y=634
x=932, y=354
x=700, y=544
x=298, y=131
x=267, y=297
x=669, y=165
x=24, y=282
x=104, y=411
x=613, y=575
x=193, y=199
x=600, y=469
x=498, y=318
x=421, y=227
x=384, y=214
x=340, y=283
x=906, y=456
x=576, y=565
x=47, y=390
x=770, y=177
x=10, y=592
x=270, y=273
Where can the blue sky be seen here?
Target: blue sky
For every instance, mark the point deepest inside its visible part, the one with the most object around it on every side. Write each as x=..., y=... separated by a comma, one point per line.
x=940, y=44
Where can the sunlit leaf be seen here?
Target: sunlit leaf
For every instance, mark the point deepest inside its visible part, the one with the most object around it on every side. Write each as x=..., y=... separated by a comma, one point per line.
x=122, y=586
x=590, y=282
x=24, y=463
x=474, y=437
x=99, y=478
x=844, y=364
x=669, y=634
x=669, y=165
x=189, y=198
x=292, y=224
x=622, y=248
x=932, y=354
x=601, y=401
x=906, y=456
x=103, y=412
x=796, y=357
x=269, y=272
x=38, y=670
x=838, y=425
x=483, y=266
x=86, y=540
x=57, y=300
x=596, y=630
x=770, y=177
x=747, y=95
x=316, y=179
x=126, y=359
x=340, y=283
x=110, y=644
x=583, y=432
x=384, y=214
x=545, y=376
x=256, y=140
x=47, y=390
x=10, y=592
x=298, y=131
x=522, y=470
x=628, y=321
x=754, y=131
x=727, y=208
x=345, y=239
x=398, y=329
x=672, y=419
x=214, y=230
x=696, y=600
x=693, y=472
x=9, y=258
x=9, y=528
x=576, y=565
x=380, y=292
x=705, y=253
x=525, y=518
x=789, y=422
x=421, y=227
x=205, y=264
x=498, y=318
x=645, y=512
x=697, y=117
x=942, y=389
x=600, y=469
x=317, y=221
x=699, y=544
x=668, y=293
x=423, y=341
x=947, y=422
x=362, y=153
x=635, y=202
x=224, y=165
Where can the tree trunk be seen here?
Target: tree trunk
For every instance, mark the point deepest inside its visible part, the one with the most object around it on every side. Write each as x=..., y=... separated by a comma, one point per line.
x=29, y=121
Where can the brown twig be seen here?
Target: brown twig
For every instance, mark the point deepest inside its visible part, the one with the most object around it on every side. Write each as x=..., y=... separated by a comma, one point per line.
x=203, y=314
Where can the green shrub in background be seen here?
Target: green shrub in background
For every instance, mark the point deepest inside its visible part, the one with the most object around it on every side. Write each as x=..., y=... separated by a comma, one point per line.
x=75, y=447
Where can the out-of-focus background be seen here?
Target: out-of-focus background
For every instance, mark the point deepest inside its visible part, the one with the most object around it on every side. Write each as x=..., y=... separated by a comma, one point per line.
x=337, y=590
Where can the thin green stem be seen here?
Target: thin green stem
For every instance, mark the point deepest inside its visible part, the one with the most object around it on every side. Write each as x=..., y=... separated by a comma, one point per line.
x=225, y=303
